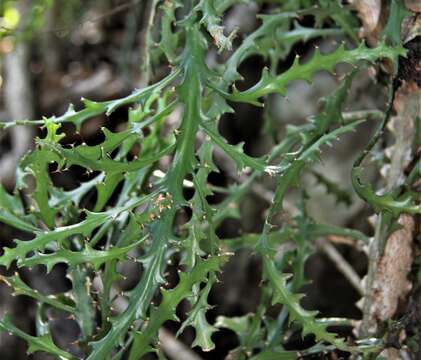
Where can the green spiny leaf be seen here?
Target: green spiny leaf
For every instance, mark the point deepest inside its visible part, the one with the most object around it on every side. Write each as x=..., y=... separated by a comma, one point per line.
x=213, y=21
x=35, y=343
x=84, y=311
x=296, y=312
x=190, y=95
x=397, y=13
x=197, y=319
x=87, y=255
x=42, y=239
x=21, y=288
x=277, y=84
x=170, y=300
x=386, y=202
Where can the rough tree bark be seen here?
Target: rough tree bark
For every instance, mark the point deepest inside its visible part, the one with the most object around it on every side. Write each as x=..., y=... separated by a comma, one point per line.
x=391, y=256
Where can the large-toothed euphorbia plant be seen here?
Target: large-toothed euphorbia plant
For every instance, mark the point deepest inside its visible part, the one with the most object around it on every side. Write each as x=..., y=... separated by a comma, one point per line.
x=133, y=216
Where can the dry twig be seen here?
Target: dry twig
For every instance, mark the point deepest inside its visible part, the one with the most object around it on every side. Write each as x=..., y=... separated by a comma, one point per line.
x=341, y=264
x=174, y=348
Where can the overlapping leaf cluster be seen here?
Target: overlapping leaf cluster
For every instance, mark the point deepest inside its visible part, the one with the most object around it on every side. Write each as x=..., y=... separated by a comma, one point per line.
x=135, y=222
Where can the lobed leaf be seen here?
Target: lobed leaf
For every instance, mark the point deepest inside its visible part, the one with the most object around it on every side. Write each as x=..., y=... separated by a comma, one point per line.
x=35, y=343
x=170, y=299
x=277, y=84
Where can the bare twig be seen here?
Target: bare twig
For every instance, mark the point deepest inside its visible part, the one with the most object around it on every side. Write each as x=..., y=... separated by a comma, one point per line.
x=347, y=240
x=102, y=84
x=174, y=348
x=341, y=264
